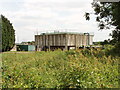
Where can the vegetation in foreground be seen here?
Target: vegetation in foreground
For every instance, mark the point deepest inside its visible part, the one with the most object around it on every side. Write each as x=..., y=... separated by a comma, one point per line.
x=60, y=69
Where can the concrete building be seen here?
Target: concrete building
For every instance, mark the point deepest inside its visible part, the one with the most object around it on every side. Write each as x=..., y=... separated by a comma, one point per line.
x=62, y=40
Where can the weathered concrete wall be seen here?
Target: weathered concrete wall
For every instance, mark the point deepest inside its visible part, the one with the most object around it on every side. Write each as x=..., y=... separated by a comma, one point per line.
x=63, y=40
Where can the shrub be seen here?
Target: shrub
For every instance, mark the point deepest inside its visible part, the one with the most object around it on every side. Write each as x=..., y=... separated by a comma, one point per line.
x=60, y=69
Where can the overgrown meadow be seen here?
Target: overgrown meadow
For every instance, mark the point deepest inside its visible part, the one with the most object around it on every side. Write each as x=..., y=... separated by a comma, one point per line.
x=60, y=69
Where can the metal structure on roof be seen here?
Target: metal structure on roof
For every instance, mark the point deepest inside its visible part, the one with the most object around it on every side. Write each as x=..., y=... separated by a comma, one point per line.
x=58, y=32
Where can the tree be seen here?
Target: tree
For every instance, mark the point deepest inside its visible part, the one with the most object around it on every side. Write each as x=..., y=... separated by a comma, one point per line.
x=108, y=17
x=8, y=34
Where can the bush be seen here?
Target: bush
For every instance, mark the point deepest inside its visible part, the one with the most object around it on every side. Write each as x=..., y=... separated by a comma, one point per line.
x=59, y=69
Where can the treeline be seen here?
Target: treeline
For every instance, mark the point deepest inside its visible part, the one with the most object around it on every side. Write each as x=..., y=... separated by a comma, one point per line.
x=105, y=42
x=8, y=34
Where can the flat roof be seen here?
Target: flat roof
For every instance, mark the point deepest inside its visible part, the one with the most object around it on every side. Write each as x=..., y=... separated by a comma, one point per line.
x=51, y=33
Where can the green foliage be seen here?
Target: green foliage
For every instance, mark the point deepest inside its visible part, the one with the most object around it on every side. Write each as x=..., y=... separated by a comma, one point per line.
x=29, y=43
x=107, y=15
x=8, y=34
x=0, y=34
x=60, y=69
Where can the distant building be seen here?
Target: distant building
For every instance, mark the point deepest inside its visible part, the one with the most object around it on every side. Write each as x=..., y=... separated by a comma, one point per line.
x=28, y=43
x=62, y=40
x=25, y=47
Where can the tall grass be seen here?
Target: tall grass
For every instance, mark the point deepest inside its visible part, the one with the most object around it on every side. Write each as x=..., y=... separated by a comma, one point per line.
x=60, y=69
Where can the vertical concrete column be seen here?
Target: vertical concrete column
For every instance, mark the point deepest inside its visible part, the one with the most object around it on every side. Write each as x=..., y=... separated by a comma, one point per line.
x=35, y=43
x=88, y=39
x=40, y=42
x=76, y=46
x=49, y=47
x=49, y=42
x=66, y=42
x=66, y=47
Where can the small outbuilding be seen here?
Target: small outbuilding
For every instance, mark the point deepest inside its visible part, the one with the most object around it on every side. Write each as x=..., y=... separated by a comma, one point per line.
x=25, y=47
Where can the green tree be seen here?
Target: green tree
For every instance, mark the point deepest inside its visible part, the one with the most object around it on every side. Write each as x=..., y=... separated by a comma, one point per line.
x=8, y=34
x=0, y=34
x=107, y=14
x=108, y=17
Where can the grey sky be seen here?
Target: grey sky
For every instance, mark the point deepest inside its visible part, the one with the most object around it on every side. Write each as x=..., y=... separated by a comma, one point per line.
x=32, y=16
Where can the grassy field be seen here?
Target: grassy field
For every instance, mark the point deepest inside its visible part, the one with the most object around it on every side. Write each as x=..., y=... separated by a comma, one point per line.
x=60, y=69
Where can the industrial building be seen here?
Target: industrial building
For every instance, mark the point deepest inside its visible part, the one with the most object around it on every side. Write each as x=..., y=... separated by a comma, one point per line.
x=62, y=40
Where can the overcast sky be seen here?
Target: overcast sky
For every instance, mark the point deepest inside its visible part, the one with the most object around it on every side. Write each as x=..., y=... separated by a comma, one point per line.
x=30, y=17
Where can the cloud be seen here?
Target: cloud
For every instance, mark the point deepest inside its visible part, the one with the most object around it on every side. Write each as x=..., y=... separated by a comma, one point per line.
x=30, y=16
